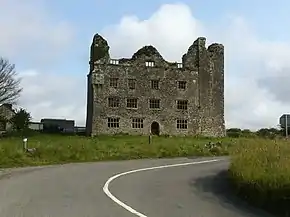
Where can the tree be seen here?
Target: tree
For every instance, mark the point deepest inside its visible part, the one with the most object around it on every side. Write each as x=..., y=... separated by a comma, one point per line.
x=268, y=133
x=20, y=120
x=234, y=132
x=9, y=83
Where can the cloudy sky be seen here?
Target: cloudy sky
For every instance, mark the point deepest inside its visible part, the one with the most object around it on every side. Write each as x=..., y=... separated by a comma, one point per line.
x=49, y=41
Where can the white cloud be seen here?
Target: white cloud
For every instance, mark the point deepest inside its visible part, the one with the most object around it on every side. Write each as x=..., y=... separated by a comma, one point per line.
x=249, y=59
x=170, y=34
x=32, y=35
x=50, y=95
x=29, y=31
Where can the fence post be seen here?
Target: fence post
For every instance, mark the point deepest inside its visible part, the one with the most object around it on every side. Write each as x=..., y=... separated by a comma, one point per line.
x=25, y=144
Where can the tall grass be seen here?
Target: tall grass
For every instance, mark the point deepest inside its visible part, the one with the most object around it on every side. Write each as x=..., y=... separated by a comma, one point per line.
x=260, y=173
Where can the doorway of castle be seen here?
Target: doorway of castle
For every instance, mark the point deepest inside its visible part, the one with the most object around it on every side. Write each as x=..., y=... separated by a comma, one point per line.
x=155, y=128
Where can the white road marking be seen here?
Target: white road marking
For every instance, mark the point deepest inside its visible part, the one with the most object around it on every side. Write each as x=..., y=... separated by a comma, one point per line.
x=130, y=209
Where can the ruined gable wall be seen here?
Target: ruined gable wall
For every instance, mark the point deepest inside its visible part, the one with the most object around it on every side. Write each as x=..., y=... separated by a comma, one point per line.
x=216, y=58
x=209, y=63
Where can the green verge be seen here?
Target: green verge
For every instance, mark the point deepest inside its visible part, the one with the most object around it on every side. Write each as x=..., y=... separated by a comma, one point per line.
x=58, y=149
x=260, y=173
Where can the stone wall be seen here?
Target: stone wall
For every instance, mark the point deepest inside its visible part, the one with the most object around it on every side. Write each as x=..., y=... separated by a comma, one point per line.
x=202, y=68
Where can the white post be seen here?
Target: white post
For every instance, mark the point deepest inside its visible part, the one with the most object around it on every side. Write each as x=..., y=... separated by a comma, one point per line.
x=286, y=123
x=25, y=144
x=150, y=137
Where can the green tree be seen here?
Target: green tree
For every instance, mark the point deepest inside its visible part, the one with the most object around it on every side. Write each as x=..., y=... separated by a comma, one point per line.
x=248, y=133
x=270, y=133
x=20, y=120
x=234, y=132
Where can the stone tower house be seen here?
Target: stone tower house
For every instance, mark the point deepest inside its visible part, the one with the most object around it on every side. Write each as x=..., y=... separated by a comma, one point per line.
x=146, y=94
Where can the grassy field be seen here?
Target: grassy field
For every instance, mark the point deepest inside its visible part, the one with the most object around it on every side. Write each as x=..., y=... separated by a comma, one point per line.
x=53, y=149
x=260, y=173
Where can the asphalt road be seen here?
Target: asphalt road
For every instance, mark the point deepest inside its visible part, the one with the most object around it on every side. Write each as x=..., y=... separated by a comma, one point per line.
x=79, y=190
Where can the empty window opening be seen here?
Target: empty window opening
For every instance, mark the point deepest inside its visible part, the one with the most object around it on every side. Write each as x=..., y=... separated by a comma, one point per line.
x=155, y=84
x=113, y=102
x=132, y=84
x=179, y=65
x=114, y=62
x=149, y=63
x=182, y=104
x=114, y=82
x=132, y=103
x=181, y=124
x=137, y=123
x=113, y=122
x=154, y=103
x=182, y=85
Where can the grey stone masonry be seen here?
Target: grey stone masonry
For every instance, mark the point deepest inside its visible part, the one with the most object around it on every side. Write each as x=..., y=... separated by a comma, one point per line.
x=146, y=94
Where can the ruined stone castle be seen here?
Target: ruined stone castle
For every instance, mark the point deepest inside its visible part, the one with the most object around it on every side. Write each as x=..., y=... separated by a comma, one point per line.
x=146, y=94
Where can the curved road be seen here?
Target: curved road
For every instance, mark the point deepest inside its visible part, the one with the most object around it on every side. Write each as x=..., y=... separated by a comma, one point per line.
x=167, y=187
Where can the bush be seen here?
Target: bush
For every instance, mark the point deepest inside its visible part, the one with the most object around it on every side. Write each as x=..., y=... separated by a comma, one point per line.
x=238, y=133
x=260, y=173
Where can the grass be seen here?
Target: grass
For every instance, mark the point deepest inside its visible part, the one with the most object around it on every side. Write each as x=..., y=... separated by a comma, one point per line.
x=260, y=173
x=58, y=149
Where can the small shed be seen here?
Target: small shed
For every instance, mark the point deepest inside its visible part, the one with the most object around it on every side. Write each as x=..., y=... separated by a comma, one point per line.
x=62, y=125
x=35, y=126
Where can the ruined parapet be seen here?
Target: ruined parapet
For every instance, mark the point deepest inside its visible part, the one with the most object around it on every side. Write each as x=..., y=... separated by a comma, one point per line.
x=209, y=63
x=148, y=54
x=216, y=48
x=99, y=50
x=191, y=58
x=99, y=54
x=216, y=58
x=196, y=59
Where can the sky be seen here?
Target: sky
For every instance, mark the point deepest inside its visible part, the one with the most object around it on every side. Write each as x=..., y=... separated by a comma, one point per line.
x=49, y=40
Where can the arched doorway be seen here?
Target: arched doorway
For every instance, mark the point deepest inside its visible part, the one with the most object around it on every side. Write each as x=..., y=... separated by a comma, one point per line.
x=155, y=129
